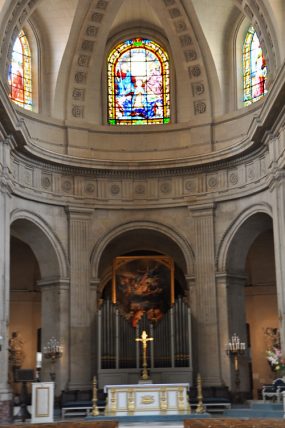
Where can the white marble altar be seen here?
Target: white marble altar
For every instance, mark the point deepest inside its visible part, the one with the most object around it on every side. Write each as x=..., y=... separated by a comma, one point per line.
x=151, y=399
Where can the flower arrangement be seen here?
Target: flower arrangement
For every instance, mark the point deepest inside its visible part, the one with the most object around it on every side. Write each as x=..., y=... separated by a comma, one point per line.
x=275, y=359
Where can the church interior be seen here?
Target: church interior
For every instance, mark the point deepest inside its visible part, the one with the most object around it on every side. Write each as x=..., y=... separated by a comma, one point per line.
x=180, y=235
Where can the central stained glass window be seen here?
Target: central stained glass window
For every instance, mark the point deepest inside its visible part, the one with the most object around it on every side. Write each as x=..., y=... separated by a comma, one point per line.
x=138, y=84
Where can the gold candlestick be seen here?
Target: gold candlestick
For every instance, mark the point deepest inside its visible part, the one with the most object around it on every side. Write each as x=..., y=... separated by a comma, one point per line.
x=144, y=339
x=95, y=410
x=200, y=406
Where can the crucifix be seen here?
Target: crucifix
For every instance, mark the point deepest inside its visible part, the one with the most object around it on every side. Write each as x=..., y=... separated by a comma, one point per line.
x=144, y=339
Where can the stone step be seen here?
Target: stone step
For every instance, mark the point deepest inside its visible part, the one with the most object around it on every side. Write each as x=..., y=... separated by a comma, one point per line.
x=254, y=413
x=266, y=405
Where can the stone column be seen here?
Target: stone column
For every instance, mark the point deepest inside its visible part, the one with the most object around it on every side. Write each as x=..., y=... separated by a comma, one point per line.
x=5, y=201
x=93, y=323
x=232, y=319
x=205, y=308
x=55, y=323
x=278, y=213
x=80, y=338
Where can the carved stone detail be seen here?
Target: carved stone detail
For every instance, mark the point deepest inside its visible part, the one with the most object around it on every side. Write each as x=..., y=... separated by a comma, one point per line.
x=80, y=77
x=190, y=185
x=46, y=181
x=83, y=60
x=198, y=89
x=200, y=107
x=102, y=4
x=91, y=31
x=212, y=182
x=233, y=178
x=97, y=17
x=89, y=188
x=174, y=13
x=190, y=55
x=140, y=189
x=169, y=2
x=185, y=40
x=87, y=45
x=66, y=186
x=77, y=111
x=165, y=187
x=78, y=94
x=180, y=26
x=115, y=189
x=194, y=71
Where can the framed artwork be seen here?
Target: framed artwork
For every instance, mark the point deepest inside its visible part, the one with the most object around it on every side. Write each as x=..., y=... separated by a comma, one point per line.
x=143, y=285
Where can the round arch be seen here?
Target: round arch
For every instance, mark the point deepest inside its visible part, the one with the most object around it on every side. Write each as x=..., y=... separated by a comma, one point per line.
x=48, y=249
x=183, y=254
x=240, y=235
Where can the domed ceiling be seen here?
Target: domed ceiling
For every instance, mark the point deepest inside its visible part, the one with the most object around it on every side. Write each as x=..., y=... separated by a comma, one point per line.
x=71, y=42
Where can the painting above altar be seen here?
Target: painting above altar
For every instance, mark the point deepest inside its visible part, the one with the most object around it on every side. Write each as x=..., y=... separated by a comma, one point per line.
x=143, y=285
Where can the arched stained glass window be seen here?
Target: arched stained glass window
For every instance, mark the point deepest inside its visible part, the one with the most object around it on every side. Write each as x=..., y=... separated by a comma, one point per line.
x=254, y=68
x=20, y=73
x=138, y=83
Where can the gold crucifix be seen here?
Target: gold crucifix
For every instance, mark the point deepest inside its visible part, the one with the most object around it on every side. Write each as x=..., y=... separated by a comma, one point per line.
x=144, y=339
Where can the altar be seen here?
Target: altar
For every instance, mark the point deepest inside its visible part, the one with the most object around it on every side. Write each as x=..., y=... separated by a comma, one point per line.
x=147, y=398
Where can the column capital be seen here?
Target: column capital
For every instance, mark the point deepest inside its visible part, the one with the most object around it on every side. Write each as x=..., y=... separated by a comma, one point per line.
x=78, y=212
x=199, y=210
x=54, y=282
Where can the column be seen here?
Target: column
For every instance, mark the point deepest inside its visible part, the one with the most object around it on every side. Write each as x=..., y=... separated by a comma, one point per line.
x=205, y=308
x=94, y=286
x=55, y=323
x=278, y=213
x=80, y=335
x=232, y=319
x=5, y=201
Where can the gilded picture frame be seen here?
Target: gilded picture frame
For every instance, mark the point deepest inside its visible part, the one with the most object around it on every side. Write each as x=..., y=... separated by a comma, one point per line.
x=143, y=285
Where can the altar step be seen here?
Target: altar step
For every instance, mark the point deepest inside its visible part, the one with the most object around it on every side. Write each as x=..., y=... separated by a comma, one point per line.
x=256, y=409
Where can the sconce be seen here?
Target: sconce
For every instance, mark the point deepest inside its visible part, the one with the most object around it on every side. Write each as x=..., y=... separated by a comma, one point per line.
x=53, y=351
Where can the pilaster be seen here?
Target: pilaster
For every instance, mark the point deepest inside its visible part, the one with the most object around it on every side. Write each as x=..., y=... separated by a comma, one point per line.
x=80, y=335
x=205, y=312
x=278, y=214
x=5, y=199
x=55, y=323
x=231, y=319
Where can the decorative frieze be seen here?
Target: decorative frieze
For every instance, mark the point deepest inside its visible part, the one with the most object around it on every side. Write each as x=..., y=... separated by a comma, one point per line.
x=165, y=185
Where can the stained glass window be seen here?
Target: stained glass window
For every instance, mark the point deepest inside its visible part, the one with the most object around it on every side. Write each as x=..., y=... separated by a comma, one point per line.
x=138, y=83
x=254, y=68
x=20, y=73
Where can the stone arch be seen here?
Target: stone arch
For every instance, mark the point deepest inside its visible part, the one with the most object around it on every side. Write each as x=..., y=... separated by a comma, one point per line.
x=247, y=225
x=259, y=16
x=184, y=253
x=184, y=45
x=48, y=249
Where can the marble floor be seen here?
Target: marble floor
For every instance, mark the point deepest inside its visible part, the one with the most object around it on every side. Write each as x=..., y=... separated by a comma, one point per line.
x=152, y=425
